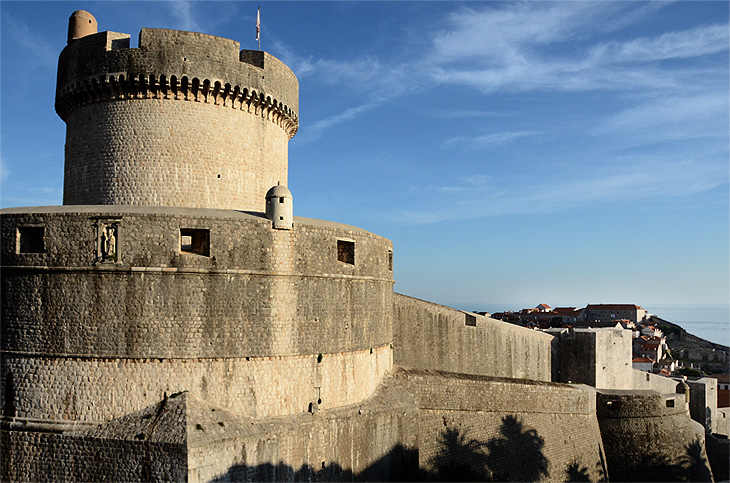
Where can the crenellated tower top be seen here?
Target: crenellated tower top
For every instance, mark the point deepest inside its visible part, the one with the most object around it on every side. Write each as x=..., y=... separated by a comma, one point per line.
x=186, y=119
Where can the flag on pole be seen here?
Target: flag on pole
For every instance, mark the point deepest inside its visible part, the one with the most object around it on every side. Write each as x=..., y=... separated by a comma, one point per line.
x=258, y=27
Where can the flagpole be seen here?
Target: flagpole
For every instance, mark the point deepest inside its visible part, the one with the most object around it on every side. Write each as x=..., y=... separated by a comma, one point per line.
x=258, y=26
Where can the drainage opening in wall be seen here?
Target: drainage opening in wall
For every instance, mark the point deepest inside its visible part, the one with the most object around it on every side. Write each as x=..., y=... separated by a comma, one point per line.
x=195, y=240
x=613, y=405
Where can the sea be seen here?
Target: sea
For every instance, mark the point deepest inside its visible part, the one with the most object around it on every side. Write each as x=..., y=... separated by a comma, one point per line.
x=710, y=322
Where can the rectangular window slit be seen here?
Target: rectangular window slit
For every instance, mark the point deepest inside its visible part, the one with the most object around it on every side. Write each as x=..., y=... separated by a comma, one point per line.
x=346, y=251
x=31, y=239
x=195, y=240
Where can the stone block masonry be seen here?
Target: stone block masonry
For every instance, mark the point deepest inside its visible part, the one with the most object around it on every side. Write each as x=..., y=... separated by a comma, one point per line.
x=431, y=336
x=479, y=428
x=265, y=322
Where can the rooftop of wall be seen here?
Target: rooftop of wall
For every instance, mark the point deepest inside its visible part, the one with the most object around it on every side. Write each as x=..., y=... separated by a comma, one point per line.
x=178, y=53
x=113, y=210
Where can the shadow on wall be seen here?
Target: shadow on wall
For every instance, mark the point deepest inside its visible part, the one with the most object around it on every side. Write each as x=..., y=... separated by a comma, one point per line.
x=399, y=464
x=691, y=466
x=515, y=455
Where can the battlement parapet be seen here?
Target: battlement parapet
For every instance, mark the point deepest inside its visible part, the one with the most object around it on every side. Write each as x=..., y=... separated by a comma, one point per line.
x=639, y=404
x=176, y=65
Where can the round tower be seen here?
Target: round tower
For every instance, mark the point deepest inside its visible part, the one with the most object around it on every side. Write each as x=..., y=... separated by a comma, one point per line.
x=185, y=120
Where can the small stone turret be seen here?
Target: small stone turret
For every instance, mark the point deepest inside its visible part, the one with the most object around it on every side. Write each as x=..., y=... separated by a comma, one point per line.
x=80, y=24
x=279, y=207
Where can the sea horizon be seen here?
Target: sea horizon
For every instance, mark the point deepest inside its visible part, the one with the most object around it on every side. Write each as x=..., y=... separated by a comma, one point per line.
x=707, y=321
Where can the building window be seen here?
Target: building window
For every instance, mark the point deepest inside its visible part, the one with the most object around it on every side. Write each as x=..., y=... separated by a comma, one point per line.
x=195, y=240
x=470, y=320
x=31, y=239
x=346, y=251
x=390, y=260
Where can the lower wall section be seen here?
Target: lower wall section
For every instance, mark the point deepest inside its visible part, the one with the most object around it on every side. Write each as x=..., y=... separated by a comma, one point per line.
x=431, y=336
x=650, y=437
x=29, y=456
x=374, y=441
x=183, y=438
x=482, y=428
x=97, y=390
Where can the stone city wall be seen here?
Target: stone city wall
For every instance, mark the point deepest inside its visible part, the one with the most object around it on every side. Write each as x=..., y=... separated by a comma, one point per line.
x=497, y=429
x=183, y=120
x=158, y=152
x=264, y=312
x=431, y=336
x=155, y=300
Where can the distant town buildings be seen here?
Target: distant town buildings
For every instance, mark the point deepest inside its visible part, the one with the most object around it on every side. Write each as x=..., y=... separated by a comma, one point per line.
x=649, y=342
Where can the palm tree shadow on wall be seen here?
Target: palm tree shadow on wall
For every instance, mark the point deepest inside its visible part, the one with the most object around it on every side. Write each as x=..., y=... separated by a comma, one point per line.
x=690, y=466
x=516, y=454
x=399, y=464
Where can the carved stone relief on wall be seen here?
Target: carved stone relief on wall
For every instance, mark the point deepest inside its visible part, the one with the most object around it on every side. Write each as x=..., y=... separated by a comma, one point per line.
x=107, y=240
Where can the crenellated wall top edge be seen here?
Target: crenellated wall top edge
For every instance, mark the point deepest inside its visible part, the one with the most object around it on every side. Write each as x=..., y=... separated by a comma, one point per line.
x=165, y=57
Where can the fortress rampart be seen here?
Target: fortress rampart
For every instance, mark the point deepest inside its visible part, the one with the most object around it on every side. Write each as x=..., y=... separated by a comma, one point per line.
x=256, y=312
x=183, y=120
x=466, y=343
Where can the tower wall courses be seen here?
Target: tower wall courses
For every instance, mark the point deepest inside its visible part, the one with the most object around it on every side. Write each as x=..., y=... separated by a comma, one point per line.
x=34, y=456
x=431, y=336
x=156, y=152
x=93, y=390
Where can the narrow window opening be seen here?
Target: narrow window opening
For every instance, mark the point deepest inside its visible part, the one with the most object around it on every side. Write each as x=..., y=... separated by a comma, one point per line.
x=390, y=260
x=195, y=240
x=281, y=199
x=31, y=239
x=346, y=251
x=470, y=320
x=670, y=403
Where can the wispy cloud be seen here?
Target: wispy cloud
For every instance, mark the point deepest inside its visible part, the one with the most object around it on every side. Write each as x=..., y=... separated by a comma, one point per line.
x=669, y=118
x=35, y=48
x=489, y=140
x=512, y=48
x=651, y=179
x=184, y=13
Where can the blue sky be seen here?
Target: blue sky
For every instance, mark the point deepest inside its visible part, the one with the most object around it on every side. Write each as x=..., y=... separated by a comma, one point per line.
x=516, y=153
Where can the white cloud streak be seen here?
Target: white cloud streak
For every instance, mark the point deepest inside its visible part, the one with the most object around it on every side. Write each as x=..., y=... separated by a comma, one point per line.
x=651, y=180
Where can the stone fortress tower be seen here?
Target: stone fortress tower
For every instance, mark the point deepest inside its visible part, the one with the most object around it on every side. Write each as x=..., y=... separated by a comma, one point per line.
x=185, y=120
x=174, y=321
